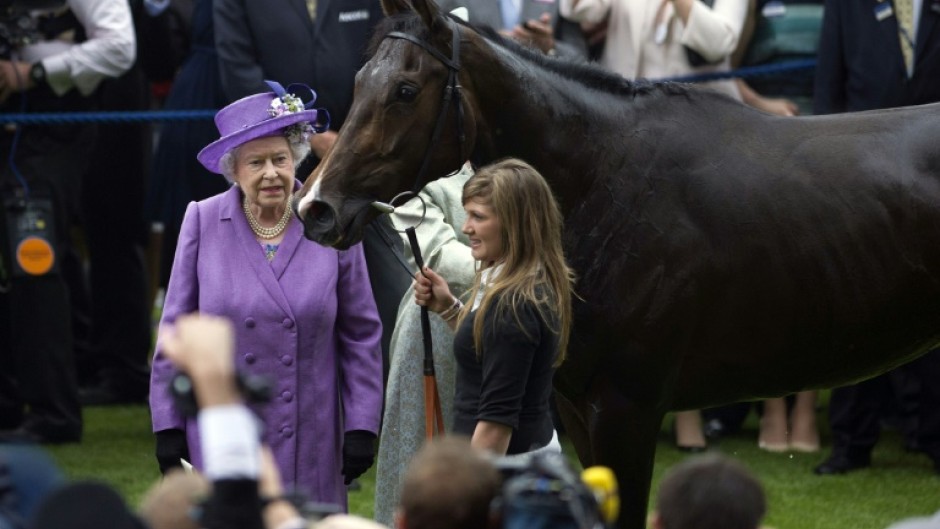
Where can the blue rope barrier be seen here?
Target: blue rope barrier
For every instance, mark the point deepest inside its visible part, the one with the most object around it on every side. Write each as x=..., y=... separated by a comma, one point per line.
x=45, y=118
x=748, y=71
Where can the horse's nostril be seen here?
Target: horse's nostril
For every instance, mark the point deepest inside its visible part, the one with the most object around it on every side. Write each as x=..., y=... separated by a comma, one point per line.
x=319, y=223
x=321, y=214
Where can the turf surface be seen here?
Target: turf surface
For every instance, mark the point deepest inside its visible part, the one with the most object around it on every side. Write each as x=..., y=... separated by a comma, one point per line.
x=118, y=449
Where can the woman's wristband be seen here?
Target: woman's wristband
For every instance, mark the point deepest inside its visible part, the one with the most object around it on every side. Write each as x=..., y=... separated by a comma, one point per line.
x=453, y=311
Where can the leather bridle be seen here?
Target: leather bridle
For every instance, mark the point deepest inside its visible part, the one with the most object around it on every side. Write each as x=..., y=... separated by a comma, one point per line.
x=451, y=95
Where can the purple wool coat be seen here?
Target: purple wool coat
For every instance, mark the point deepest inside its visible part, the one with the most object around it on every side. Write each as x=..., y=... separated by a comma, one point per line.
x=307, y=319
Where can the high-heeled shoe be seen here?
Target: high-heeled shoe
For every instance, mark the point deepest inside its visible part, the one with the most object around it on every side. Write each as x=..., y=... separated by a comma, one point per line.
x=804, y=437
x=806, y=448
x=688, y=427
x=772, y=447
x=773, y=435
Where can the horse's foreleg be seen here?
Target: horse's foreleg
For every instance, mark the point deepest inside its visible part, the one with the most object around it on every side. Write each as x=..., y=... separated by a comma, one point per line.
x=574, y=416
x=623, y=438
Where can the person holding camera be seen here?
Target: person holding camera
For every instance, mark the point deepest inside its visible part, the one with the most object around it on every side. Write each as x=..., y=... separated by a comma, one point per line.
x=246, y=488
x=46, y=66
x=240, y=487
x=448, y=484
x=304, y=314
x=709, y=491
x=513, y=332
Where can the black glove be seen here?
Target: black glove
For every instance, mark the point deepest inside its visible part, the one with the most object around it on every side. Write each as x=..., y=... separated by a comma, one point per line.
x=171, y=446
x=358, y=454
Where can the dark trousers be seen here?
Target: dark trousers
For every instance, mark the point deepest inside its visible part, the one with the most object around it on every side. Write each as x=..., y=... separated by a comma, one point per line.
x=908, y=397
x=116, y=234
x=36, y=356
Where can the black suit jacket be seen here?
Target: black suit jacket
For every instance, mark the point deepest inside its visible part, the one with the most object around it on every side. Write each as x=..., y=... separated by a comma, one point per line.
x=860, y=63
x=276, y=39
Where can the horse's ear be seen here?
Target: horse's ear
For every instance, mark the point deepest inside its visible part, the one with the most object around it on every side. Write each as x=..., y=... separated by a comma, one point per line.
x=429, y=11
x=394, y=7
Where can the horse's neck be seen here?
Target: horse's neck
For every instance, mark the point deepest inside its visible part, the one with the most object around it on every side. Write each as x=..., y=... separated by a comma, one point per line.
x=559, y=126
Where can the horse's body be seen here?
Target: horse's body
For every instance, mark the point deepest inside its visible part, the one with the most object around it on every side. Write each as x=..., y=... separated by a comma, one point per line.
x=723, y=254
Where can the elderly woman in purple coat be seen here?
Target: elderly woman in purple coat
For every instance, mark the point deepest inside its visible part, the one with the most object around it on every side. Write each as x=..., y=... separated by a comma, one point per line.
x=304, y=314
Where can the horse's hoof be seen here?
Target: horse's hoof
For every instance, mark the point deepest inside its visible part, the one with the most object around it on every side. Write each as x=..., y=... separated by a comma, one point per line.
x=691, y=449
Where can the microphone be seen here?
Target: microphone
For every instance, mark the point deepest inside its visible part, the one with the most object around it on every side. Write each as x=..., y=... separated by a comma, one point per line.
x=603, y=484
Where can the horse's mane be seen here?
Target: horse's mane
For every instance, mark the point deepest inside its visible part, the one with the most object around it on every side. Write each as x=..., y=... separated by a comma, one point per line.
x=585, y=73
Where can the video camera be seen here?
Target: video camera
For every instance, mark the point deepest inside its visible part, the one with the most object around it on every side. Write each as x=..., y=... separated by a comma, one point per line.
x=18, y=26
x=543, y=491
x=256, y=389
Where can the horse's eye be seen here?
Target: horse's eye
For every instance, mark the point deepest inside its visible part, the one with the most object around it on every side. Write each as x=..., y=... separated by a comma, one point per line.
x=406, y=93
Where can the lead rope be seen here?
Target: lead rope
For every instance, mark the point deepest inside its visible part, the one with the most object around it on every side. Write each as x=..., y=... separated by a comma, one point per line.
x=433, y=416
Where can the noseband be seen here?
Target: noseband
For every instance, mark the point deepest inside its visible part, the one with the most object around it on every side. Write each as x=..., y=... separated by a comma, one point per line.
x=451, y=94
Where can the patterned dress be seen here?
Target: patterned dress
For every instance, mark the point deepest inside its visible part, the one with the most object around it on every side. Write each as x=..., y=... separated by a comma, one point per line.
x=446, y=250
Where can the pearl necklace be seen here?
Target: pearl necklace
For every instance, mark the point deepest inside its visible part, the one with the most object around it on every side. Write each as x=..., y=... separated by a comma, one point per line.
x=268, y=233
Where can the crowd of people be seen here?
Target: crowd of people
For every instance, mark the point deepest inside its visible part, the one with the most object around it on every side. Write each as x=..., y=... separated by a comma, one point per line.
x=333, y=337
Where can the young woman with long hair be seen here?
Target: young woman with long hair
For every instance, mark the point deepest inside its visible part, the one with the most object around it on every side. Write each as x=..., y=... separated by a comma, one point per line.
x=513, y=331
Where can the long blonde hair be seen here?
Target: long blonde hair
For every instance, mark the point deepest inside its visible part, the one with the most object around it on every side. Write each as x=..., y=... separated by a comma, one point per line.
x=530, y=223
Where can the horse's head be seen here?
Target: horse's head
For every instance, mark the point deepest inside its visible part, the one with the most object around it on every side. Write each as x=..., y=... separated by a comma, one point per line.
x=410, y=122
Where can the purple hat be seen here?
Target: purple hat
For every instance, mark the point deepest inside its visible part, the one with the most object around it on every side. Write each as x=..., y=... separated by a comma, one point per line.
x=261, y=115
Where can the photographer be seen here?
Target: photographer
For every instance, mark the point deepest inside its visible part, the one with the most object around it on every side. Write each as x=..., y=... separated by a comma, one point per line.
x=53, y=62
x=241, y=486
x=710, y=491
x=203, y=347
x=449, y=485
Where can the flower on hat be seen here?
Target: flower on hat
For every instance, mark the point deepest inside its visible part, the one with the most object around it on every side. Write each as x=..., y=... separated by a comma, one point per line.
x=290, y=104
x=286, y=104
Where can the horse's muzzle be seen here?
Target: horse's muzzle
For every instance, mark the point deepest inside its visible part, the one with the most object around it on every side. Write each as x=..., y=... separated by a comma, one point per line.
x=319, y=223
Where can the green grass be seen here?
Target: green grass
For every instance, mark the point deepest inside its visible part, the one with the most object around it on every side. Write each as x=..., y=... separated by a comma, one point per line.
x=118, y=449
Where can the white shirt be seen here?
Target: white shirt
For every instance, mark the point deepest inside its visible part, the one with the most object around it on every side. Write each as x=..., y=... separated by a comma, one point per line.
x=109, y=51
x=635, y=49
x=486, y=277
x=231, y=446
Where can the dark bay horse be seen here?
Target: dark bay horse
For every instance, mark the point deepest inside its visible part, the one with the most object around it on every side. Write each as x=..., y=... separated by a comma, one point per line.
x=723, y=254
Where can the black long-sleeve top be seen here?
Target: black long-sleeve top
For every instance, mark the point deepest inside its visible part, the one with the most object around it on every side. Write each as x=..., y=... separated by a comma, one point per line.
x=511, y=382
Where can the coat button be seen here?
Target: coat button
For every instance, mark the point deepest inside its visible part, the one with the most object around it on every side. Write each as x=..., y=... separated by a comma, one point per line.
x=288, y=323
x=287, y=432
x=287, y=396
x=287, y=360
x=250, y=323
x=250, y=358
